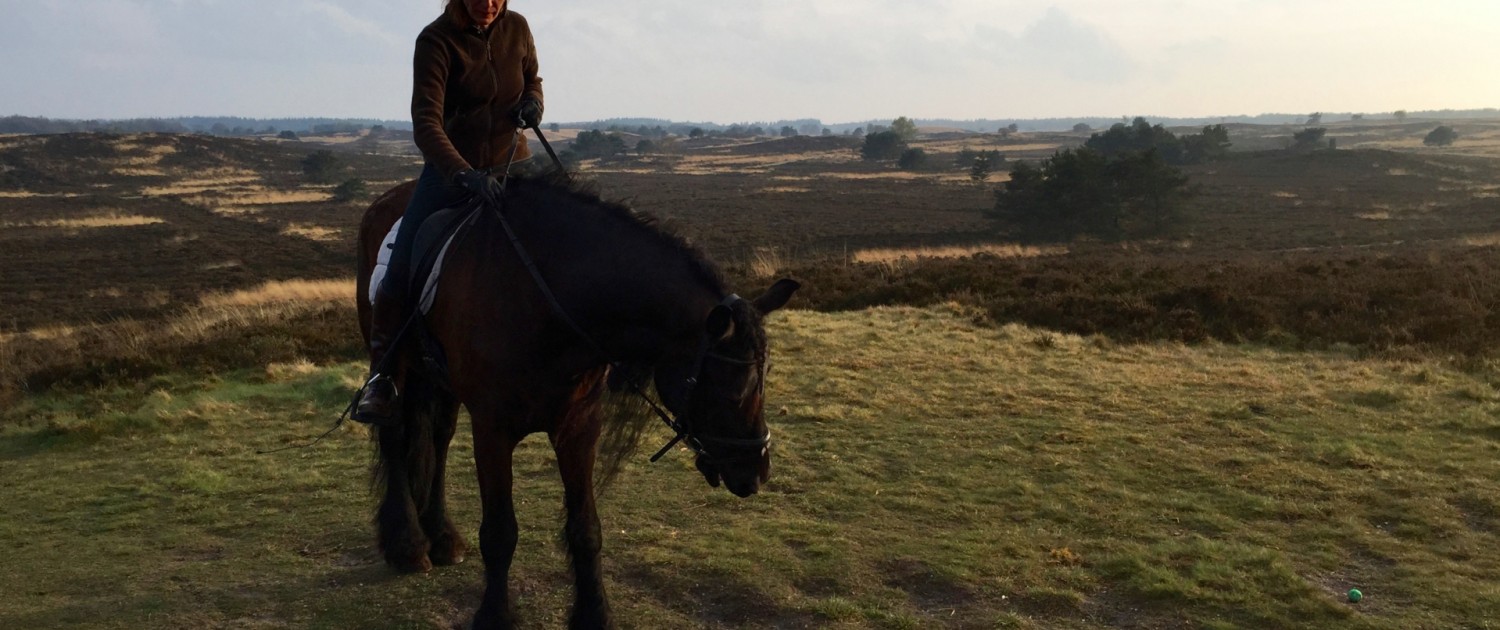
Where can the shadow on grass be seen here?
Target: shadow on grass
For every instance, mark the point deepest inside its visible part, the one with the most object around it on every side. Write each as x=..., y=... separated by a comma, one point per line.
x=716, y=598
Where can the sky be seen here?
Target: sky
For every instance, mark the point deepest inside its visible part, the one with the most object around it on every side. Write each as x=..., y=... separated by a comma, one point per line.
x=763, y=60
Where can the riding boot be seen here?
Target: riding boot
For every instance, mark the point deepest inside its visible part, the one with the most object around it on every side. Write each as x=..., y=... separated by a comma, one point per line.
x=377, y=405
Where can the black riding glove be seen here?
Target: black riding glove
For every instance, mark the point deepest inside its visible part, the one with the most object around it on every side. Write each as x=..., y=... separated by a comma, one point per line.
x=482, y=184
x=528, y=113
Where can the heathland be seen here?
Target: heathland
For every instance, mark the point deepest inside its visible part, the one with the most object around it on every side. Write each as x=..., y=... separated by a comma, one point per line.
x=1290, y=395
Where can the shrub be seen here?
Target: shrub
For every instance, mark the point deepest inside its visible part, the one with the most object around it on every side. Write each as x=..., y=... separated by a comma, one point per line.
x=1309, y=138
x=881, y=146
x=1441, y=137
x=596, y=144
x=912, y=159
x=321, y=166
x=350, y=190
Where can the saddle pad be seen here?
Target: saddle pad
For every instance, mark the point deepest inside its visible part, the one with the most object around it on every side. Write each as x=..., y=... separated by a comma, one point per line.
x=383, y=261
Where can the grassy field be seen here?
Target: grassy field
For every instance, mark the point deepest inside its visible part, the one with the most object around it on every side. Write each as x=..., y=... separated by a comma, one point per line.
x=929, y=472
x=174, y=303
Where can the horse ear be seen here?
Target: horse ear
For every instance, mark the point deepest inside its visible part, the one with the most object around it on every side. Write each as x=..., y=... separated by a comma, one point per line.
x=777, y=296
x=720, y=320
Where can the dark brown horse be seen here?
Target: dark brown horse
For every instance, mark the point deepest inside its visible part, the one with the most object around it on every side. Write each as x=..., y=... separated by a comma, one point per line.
x=637, y=297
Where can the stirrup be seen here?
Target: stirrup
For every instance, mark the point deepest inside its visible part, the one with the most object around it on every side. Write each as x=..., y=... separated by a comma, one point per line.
x=365, y=414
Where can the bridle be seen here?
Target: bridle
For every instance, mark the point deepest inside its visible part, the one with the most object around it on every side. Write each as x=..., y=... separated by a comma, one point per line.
x=681, y=426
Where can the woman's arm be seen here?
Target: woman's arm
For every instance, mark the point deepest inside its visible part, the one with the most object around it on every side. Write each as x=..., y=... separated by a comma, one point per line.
x=429, y=85
x=529, y=69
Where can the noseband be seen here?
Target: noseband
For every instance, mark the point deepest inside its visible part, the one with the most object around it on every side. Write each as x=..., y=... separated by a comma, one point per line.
x=685, y=432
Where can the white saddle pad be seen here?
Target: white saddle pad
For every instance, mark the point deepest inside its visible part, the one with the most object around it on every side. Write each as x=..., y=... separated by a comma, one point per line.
x=383, y=261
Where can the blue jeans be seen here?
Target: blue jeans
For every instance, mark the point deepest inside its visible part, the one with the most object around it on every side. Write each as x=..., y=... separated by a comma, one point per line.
x=432, y=194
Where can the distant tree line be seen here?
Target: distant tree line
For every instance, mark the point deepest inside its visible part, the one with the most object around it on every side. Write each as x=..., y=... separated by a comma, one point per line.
x=26, y=124
x=223, y=126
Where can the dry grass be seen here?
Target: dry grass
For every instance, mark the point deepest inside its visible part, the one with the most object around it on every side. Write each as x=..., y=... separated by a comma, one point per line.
x=24, y=194
x=111, y=219
x=766, y=262
x=264, y=197
x=282, y=291
x=1481, y=240
x=237, y=179
x=57, y=350
x=999, y=250
x=1374, y=216
x=138, y=171
x=785, y=189
x=312, y=232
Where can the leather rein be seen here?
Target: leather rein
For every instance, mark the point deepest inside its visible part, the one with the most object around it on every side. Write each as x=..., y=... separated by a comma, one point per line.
x=682, y=428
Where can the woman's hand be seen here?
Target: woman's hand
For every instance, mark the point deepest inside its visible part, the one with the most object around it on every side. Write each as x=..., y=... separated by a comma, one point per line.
x=482, y=184
x=528, y=113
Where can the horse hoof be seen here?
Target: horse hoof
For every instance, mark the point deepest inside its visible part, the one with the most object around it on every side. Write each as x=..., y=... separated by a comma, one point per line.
x=440, y=559
x=419, y=564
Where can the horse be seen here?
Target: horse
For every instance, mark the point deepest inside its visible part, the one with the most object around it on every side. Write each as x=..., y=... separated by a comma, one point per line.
x=545, y=304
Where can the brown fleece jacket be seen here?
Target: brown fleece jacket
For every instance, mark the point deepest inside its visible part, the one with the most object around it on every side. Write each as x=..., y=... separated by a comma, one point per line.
x=466, y=83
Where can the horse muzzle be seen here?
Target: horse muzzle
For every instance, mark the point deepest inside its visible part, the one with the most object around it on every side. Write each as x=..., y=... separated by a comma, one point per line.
x=742, y=477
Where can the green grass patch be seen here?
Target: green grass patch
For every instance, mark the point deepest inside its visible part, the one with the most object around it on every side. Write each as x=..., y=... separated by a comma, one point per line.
x=928, y=472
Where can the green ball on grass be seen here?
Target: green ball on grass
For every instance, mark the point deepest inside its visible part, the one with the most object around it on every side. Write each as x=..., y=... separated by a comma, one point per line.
x=1355, y=595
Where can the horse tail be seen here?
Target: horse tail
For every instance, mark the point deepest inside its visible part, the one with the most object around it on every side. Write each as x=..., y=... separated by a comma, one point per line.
x=408, y=465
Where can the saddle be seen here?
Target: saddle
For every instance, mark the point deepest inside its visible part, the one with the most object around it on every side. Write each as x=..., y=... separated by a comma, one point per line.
x=428, y=252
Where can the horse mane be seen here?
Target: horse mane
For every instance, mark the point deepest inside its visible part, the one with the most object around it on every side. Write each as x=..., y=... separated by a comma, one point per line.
x=662, y=232
x=627, y=418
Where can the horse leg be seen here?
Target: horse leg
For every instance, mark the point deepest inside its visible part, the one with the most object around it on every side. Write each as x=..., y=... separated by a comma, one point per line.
x=493, y=450
x=447, y=545
x=404, y=449
x=575, y=452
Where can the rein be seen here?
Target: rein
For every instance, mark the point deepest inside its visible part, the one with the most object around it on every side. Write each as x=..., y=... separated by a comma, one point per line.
x=683, y=431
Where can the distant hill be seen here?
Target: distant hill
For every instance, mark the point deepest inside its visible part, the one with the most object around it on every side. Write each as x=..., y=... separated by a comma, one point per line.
x=238, y=126
x=217, y=125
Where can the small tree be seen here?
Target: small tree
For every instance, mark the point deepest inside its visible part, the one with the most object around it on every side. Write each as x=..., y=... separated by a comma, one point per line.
x=1315, y=119
x=979, y=170
x=645, y=146
x=697, y=132
x=788, y=131
x=904, y=128
x=287, y=135
x=1400, y=115
x=350, y=190
x=1441, y=137
x=1013, y=128
x=1212, y=144
x=912, y=159
x=321, y=166
x=884, y=145
x=1082, y=128
x=554, y=127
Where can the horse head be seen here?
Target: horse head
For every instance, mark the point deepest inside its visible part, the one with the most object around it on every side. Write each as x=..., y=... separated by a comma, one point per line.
x=721, y=404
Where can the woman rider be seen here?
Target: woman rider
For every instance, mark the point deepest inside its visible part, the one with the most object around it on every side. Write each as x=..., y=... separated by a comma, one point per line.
x=475, y=82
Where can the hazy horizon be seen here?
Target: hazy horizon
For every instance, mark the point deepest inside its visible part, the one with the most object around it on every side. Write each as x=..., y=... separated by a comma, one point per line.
x=764, y=60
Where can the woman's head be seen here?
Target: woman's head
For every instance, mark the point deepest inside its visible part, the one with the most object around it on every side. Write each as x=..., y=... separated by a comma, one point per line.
x=481, y=12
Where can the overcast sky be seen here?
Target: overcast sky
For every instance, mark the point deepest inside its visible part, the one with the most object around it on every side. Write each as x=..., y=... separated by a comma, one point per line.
x=753, y=60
